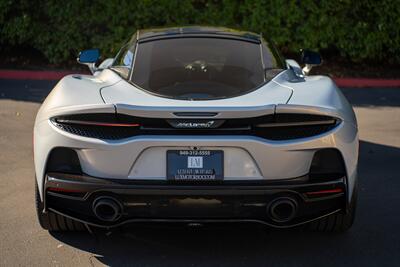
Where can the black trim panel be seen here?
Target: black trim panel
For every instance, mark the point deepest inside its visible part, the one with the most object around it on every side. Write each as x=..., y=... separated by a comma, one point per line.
x=181, y=202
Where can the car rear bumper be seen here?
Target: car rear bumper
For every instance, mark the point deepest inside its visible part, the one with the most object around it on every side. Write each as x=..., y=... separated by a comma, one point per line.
x=78, y=196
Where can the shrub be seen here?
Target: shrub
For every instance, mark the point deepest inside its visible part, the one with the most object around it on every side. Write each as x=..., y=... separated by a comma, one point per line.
x=360, y=30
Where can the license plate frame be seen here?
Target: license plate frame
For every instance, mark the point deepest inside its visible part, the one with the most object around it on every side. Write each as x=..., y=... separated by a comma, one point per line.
x=212, y=162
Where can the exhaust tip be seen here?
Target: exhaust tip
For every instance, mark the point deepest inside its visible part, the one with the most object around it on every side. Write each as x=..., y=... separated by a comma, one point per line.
x=282, y=209
x=107, y=209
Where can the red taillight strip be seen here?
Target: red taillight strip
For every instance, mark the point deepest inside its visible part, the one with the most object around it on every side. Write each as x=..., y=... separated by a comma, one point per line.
x=65, y=190
x=289, y=124
x=322, y=192
x=95, y=123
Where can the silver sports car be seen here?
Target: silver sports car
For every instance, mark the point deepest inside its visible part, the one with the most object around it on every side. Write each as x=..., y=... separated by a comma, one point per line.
x=196, y=125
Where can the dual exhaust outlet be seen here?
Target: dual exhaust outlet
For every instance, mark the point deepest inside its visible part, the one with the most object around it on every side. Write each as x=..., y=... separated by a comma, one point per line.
x=280, y=210
x=107, y=209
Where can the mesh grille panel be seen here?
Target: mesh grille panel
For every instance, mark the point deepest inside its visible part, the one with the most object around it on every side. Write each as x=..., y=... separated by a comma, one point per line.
x=110, y=133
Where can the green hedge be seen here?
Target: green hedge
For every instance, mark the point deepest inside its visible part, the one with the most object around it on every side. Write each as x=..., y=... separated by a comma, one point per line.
x=359, y=30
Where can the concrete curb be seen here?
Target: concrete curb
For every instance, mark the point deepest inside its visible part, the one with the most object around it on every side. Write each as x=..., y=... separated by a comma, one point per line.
x=57, y=75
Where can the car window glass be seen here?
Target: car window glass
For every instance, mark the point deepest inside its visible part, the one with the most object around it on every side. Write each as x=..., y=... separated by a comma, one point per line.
x=123, y=61
x=198, y=68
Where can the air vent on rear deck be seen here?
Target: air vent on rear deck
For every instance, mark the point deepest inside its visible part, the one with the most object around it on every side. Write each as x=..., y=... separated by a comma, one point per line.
x=271, y=127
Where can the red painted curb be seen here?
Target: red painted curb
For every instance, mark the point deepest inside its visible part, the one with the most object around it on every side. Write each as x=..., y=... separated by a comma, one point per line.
x=366, y=82
x=33, y=74
x=57, y=75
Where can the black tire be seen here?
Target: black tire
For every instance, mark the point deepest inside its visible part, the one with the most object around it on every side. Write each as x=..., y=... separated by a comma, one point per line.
x=54, y=222
x=339, y=222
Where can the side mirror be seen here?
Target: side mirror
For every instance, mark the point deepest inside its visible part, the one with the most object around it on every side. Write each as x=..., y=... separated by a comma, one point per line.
x=310, y=59
x=89, y=57
x=106, y=63
x=297, y=71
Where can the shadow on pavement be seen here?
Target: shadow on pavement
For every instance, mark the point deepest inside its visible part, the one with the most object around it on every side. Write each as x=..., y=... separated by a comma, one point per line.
x=373, y=97
x=371, y=241
x=25, y=90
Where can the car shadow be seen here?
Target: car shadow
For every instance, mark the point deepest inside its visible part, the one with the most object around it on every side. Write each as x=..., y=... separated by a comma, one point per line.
x=369, y=242
x=26, y=90
x=373, y=97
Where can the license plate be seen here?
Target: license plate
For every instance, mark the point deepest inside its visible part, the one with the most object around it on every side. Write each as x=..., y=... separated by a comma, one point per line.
x=195, y=165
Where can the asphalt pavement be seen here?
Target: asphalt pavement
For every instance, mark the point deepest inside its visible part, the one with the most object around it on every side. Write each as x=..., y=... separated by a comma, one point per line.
x=374, y=239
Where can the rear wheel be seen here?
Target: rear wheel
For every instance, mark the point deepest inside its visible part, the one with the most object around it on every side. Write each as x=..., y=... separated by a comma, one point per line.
x=338, y=222
x=54, y=222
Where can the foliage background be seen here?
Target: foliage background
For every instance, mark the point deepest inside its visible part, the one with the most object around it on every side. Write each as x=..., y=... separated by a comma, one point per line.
x=359, y=31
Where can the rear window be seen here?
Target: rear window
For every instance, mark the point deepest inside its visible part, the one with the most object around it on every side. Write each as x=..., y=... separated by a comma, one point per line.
x=200, y=68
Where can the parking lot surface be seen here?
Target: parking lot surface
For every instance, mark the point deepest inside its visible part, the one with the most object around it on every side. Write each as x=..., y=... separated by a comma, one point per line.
x=374, y=239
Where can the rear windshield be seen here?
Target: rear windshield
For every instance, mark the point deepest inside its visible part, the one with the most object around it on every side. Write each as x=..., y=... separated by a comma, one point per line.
x=200, y=68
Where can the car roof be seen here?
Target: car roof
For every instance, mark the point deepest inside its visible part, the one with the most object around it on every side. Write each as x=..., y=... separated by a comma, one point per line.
x=160, y=33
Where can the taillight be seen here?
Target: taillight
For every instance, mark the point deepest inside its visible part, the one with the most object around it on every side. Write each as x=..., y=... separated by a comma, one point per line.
x=298, y=120
x=97, y=123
